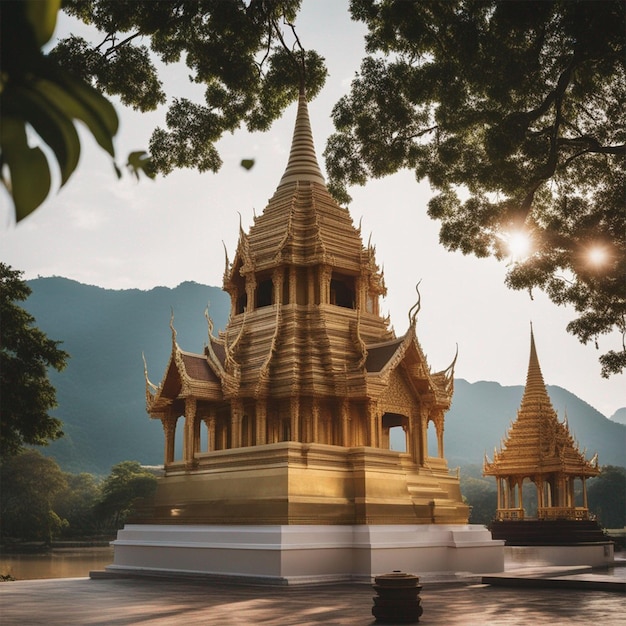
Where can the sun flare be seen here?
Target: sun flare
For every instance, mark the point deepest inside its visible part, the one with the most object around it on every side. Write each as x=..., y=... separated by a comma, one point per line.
x=519, y=245
x=597, y=256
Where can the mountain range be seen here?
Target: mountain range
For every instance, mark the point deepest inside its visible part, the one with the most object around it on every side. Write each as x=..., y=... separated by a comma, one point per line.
x=101, y=393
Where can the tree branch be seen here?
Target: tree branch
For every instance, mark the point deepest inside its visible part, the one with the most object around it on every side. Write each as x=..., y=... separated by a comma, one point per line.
x=117, y=46
x=592, y=145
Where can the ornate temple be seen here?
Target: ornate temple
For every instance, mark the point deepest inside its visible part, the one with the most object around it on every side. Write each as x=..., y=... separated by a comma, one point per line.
x=540, y=449
x=298, y=394
x=286, y=418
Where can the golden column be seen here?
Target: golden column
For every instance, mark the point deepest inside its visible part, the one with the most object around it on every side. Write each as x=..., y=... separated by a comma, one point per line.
x=189, y=431
x=325, y=276
x=236, y=415
x=315, y=418
x=261, y=421
x=373, y=415
x=278, y=277
x=424, y=413
x=169, y=430
x=295, y=418
x=293, y=294
x=209, y=422
x=251, y=291
x=345, y=423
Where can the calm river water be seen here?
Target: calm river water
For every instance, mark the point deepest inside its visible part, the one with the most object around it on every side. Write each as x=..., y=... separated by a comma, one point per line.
x=59, y=563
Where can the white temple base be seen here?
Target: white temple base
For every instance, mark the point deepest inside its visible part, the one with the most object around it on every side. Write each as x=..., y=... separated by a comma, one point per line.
x=593, y=554
x=307, y=553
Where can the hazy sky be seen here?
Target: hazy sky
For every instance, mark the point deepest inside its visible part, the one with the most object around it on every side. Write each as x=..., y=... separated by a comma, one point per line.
x=128, y=234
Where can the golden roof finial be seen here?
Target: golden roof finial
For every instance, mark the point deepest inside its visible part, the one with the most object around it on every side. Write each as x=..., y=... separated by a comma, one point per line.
x=172, y=326
x=302, y=164
x=415, y=309
x=227, y=262
x=149, y=385
x=535, y=392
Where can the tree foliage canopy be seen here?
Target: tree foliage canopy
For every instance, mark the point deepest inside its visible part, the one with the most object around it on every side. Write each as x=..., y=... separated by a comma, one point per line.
x=30, y=482
x=25, y=356
x=39, y=502
x=36, y=94
x=237, y=50
x=127, y=482
x=514, y=111
x=607, y=496
x=76, y=504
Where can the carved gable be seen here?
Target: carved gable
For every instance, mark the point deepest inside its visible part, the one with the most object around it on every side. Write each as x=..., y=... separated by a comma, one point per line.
x=398, y=396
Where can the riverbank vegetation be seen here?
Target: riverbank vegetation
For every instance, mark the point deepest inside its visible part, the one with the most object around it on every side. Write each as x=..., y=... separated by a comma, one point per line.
x=39, y=503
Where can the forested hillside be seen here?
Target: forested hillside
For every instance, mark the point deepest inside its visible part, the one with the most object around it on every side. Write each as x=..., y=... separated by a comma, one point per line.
x=102, y=391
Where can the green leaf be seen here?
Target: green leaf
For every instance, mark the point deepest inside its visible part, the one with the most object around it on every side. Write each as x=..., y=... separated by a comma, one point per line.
x=140, y=161
x=84, y=103
x=42, y=16
x=52, y=125
x=247, y=164
x=30, y=175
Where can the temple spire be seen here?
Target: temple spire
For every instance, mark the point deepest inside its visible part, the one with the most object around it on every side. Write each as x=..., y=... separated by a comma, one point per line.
x=302, y=164
x=535, y=392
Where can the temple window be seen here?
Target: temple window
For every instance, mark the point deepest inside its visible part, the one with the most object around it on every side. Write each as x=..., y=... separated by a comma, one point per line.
x=394, y=432
x=302, y=286
x=342, y=291
x=397, y=439
x=286, y=291
x=264, y=293
x=203, y=442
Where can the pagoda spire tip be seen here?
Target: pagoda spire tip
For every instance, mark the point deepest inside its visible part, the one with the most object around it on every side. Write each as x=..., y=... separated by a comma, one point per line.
x=302, y=164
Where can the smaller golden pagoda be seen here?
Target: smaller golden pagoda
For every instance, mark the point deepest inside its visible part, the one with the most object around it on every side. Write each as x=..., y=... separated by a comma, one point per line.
x=539, y=448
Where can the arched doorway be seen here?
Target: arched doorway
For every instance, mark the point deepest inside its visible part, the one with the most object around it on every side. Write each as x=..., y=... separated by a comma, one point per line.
x=395, y=431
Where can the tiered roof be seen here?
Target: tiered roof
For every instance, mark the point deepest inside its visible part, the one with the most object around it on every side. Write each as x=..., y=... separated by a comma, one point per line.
x=313, y=350
x=537, y=442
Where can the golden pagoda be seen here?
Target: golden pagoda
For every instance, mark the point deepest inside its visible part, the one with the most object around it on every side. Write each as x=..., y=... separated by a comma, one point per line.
x=286, y=474
x=539, y=448
x=298, y=394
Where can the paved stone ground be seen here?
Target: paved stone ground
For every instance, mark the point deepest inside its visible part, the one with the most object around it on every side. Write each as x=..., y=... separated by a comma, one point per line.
x=120, y=602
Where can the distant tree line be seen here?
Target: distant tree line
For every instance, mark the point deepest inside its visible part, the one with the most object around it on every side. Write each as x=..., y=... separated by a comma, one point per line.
x=39, y=502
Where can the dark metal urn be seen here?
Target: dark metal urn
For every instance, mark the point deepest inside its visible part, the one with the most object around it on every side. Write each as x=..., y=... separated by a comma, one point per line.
x=398, y=598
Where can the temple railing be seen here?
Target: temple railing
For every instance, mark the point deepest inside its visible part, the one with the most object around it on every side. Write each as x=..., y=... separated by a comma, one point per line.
x=546, y=513
x=510, y=514
x=563, y=512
